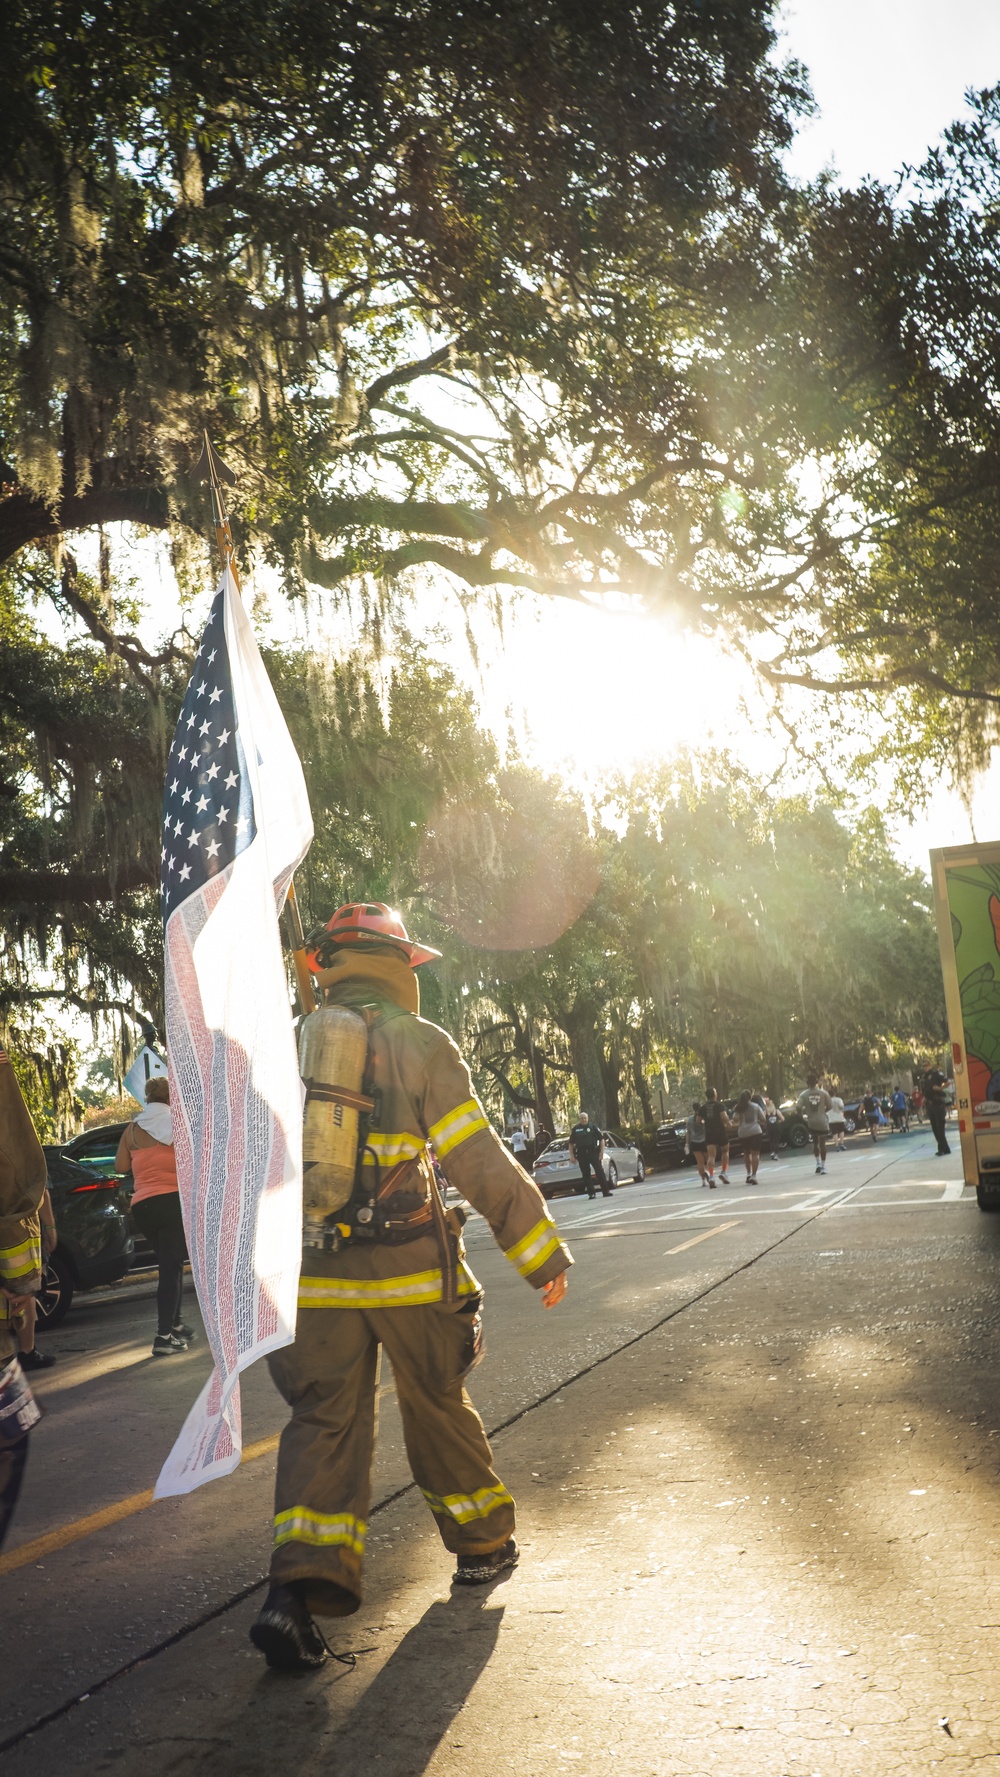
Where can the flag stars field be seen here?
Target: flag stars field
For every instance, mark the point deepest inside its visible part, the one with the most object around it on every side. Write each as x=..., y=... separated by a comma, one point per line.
x=212, y=756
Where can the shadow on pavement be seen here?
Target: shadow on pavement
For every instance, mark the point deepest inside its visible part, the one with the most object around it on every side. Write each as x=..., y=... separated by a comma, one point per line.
x=398, y=1724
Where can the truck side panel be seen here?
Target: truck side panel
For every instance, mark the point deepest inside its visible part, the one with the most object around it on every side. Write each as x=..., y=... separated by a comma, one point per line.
x=967, y=903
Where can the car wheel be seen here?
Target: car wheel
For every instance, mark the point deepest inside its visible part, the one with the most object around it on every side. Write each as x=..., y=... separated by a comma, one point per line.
x=640, y=1170
x=52, y=1303
x=849, y=1125
x=798, y=1136
x=611, y=1173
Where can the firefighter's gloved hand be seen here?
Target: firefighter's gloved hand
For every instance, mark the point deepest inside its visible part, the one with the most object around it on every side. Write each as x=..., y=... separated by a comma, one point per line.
x=553, y=1293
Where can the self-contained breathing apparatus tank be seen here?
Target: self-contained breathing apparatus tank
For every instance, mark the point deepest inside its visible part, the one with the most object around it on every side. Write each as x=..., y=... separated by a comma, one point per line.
x=333, y=1046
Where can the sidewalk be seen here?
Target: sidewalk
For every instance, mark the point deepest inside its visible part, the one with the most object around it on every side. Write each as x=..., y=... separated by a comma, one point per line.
x=763, y=1540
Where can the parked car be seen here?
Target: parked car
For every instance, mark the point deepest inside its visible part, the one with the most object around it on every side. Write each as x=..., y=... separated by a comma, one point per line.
x=94, y=1235
x=95, y=1150
x=556, y=1170
x=671, y=1139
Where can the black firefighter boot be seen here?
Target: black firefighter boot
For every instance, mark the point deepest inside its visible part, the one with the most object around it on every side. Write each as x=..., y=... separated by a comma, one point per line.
x=286, y=1634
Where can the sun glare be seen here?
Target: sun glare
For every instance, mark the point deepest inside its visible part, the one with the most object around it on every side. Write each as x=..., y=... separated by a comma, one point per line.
x=587, y=693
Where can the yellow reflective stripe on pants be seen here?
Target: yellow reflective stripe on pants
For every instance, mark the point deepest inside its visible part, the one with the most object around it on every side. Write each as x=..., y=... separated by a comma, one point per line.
x=381, y=1292
x=464, y=1508
x=320, y=1529
x=537, y=1245
x=21, y=1260
x=448, y=1132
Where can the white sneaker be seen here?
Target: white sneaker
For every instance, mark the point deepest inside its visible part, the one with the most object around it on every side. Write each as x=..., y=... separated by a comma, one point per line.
x=821, y=1169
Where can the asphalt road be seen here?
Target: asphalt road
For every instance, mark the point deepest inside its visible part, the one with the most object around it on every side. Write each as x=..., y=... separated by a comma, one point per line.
x=763, y=1336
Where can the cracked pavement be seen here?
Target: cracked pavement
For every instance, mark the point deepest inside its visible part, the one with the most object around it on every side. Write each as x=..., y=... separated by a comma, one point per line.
x=762, y=1538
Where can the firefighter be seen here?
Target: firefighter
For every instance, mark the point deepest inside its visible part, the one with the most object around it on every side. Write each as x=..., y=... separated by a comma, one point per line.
x=399, y=1279
x=22, y=1187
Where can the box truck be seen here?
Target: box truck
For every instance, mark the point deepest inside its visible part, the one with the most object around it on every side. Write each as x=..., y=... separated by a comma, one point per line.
x=966, y=882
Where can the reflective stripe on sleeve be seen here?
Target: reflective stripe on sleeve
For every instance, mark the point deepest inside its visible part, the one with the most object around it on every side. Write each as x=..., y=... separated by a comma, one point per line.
x=21, y=1260
x=537, y=1246
x=465, y=1120
x=324, y=1530
x=389, y=1149
x=464, y=1508
x=381, y=1292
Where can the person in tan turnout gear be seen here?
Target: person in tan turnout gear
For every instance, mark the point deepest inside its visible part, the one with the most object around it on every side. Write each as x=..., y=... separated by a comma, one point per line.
x=408, y=1289
x=22, y=1186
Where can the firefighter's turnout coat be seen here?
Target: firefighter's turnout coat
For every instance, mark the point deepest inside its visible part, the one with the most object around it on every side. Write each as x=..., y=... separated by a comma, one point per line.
x=22, y=1186
x=413, y=1293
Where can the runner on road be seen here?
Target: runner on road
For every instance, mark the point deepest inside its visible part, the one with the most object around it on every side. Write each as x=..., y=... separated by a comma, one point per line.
x=837, y=1121
x=815, y=1104
x=717, y=1131
x=697, y=1144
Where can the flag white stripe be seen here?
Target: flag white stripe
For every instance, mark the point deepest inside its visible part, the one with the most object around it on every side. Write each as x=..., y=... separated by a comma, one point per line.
x=235, y=1089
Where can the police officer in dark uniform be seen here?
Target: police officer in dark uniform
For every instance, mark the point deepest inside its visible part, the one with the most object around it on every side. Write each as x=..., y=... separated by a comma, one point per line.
x=586, y=1144
x=935, y=1093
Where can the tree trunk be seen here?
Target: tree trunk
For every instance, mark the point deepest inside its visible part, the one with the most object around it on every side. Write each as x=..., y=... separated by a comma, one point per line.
x=581, y=1029
x=640, y=1081
x=611, y=1074
x=717, y=1070
x=543, y=1109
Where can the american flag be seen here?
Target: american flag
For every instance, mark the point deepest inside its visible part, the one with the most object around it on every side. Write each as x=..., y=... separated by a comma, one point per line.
x=236, y=824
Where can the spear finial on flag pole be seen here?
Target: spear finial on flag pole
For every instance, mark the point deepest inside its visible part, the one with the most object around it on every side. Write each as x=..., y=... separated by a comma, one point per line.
x=211, y=468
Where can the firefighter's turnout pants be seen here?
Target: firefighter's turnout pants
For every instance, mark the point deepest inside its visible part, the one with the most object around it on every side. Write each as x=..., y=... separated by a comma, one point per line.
x=329, y=1378
x=416, y=1297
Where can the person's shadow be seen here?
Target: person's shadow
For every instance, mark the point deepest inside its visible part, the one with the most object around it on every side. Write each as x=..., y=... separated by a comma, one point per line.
x=396, y=1727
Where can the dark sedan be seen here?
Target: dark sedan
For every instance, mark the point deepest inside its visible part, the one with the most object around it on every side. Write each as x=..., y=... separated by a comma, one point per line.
x=94, y=1236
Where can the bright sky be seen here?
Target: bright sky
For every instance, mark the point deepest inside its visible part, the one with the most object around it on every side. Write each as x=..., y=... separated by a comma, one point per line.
x=589, y=691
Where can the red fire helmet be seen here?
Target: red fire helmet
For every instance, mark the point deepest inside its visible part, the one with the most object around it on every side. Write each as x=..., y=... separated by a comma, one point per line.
x=362, y=923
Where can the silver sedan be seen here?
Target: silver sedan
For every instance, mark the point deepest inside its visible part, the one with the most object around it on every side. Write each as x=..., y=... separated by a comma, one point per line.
x=555, y=1168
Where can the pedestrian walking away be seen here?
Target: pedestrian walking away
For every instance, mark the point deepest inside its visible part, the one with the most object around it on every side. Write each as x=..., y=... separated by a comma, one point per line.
x=22, y=1189
x=146, y=1150
x=387, y=1268
x=772, y=1127
x=837, y=1119
x=815, y=1103
x=872, y=1114
x=696, y=1143
x=718, y=1129
x=936, y=1098
x=750, y=1129
x=586, y=1146
x=899, y=1111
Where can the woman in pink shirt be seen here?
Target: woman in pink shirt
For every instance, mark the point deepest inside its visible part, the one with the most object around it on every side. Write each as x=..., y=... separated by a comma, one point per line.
x=146, y=1150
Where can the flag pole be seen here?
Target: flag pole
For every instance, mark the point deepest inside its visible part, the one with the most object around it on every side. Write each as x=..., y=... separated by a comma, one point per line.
x=212, y=469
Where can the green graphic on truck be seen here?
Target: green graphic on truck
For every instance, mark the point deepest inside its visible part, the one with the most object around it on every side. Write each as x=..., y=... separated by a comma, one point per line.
x=974, y=903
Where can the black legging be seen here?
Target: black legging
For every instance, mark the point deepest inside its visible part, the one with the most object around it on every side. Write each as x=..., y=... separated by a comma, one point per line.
x=159, y=1218
x=938, y=1114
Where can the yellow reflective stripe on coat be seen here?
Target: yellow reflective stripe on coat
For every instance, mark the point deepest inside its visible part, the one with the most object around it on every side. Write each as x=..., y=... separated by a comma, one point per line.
x=381, y=1292
x=538, y=1245
x=464, y=1507
x=389, y=1149
x=300, y=1524
x=21, y=1260
x=448, y=1132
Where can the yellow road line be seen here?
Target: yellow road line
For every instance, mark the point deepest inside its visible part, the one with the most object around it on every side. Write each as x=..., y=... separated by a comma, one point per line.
x=81, y=1527
x=712, y=1232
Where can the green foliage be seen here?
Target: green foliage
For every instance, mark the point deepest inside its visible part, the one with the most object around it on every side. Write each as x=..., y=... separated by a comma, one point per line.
x=448, y=286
